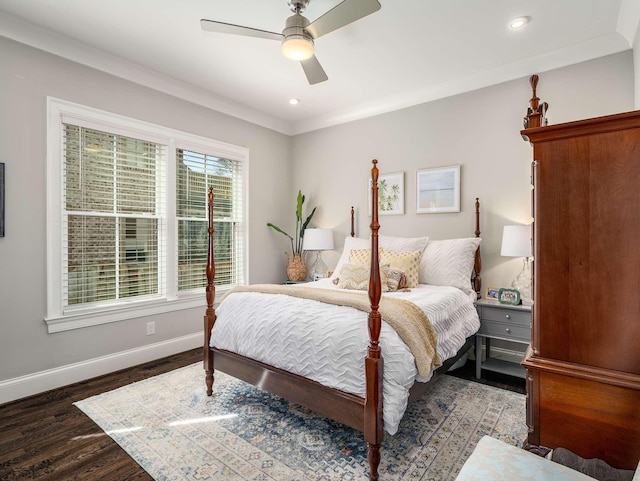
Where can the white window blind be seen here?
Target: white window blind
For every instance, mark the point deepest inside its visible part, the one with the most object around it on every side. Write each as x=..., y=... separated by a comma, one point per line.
x=127, y=216
x=113, y=211
x=195, y=174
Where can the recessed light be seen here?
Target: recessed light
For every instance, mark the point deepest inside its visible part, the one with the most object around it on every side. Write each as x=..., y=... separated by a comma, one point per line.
x=294, y=101
x=519, y=22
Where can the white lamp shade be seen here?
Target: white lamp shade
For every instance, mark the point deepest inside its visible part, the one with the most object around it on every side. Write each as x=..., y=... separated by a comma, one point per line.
x=317, y=240
x=516, y=241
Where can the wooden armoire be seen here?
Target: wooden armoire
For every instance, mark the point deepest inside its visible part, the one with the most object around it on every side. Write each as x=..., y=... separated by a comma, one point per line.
x=583, y=364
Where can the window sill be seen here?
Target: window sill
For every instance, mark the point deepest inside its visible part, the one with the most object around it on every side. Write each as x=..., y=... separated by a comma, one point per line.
x=97, y=317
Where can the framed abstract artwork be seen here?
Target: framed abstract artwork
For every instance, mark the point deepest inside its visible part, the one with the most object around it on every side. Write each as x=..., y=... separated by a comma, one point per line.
x=438, y=190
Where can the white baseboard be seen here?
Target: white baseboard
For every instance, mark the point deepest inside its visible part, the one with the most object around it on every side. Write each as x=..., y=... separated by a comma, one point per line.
x=31, y=384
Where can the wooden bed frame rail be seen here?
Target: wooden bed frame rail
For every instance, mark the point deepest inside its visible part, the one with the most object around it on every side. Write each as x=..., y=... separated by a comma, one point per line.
x=364, y=414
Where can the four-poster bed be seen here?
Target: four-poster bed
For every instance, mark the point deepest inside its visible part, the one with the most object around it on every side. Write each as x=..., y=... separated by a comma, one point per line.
x=362, y=408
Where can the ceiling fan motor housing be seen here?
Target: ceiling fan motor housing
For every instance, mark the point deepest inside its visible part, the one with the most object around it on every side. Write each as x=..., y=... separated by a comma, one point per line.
x=294, y=33
x=295, y=27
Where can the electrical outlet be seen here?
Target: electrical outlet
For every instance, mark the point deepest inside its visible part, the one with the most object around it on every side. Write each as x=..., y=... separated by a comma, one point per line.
x=151, y=328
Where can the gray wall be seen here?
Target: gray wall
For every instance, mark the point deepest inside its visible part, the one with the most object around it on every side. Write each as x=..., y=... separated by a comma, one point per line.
x=27, y=77
x=479, y=130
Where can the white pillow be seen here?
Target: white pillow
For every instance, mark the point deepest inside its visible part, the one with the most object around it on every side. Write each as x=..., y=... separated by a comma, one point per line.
x=402, y=244
x=449, y=263
x=350, y=243
x=389, y=243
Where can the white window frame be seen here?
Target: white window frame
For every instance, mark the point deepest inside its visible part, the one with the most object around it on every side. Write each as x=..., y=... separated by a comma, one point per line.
x=57, y=318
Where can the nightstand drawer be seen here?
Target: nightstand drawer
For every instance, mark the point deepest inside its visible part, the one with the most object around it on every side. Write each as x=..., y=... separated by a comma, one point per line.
x=505, y=331
x=511, y=316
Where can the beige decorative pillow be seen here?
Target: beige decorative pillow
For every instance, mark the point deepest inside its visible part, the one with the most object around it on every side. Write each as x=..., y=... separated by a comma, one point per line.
x=353, y=276
x=408, y=262
x=360, y=257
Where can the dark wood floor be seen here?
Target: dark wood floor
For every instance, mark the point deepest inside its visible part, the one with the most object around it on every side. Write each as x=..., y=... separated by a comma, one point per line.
x=46, y=437
x=503, y=381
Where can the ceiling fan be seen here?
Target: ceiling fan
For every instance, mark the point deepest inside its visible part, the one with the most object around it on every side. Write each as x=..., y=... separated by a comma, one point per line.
x=298, y=34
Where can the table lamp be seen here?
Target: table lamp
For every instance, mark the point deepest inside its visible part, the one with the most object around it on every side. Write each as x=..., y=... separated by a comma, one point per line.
x=516, y=242
x=318, y=240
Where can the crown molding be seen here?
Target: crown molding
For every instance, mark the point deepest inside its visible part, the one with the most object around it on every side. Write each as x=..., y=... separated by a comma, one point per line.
x=43, y=39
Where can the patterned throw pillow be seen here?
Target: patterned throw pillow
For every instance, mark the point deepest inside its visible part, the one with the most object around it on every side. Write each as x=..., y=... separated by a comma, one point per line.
x=396, y=277
x=397, y=280
x=353, y=276
x=360, y=257
x=408, y=262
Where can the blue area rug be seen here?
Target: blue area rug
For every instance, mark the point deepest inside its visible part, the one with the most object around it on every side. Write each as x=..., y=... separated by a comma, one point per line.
x=175, y=432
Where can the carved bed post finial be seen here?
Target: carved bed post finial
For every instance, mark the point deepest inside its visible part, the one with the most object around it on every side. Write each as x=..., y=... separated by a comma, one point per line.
x=477, y=264
x=353, y=215
x=210, y=314
x=373, y=422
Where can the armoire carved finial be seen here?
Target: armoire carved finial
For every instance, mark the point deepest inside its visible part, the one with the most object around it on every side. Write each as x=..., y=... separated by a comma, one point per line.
x=536, y=113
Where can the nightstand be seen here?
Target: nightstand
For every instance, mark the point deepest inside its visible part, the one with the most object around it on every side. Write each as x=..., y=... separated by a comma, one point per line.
x=501, y=321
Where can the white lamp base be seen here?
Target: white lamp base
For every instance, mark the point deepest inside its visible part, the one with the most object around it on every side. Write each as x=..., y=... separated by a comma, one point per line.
x=523, y=283
x=319, y=269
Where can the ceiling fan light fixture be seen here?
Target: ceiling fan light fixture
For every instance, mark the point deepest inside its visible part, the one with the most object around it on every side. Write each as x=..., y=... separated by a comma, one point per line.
x=297, y=47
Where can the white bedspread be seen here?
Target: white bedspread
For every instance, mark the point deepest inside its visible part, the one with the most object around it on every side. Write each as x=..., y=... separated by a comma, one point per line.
x=328, y=343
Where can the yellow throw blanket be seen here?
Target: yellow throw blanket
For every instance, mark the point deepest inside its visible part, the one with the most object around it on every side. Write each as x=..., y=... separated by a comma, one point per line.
x=409, y=321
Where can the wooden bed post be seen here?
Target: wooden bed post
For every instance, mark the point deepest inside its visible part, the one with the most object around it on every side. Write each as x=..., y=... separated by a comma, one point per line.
x=477, y=264
x=374, y=364
x=210, y=315
x=353, y=214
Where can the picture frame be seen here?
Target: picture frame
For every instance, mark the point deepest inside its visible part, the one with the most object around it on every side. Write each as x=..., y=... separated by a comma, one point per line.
x=1, y=199
x=390, y=194
x=438, y=190
x=509, y=296
x=492, y=293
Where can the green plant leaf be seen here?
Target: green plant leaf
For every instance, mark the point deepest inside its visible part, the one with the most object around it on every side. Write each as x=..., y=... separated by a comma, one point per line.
x=306, y=222
x=278, y=229
x=296, y=243
x=299, y=206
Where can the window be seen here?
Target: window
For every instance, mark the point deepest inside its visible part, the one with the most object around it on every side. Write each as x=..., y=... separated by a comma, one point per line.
x=127, y=217
x=195, y=174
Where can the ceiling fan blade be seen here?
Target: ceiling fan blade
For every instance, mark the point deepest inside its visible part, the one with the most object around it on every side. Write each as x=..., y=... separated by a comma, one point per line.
x=342, y=14
x=313, y=70
x=221, y=27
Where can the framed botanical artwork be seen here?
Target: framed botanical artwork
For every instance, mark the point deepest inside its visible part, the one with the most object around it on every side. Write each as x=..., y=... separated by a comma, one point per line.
x=390, y=194
x=438, y=190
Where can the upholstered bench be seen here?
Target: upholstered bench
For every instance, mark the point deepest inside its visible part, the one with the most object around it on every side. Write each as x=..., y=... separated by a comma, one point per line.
x=494, y=460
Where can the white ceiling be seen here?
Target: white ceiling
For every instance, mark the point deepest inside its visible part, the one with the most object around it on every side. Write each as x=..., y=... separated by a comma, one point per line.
x=409, y=52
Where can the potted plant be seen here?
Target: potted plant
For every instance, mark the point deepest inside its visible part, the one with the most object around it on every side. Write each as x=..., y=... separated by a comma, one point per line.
x=296, y=265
